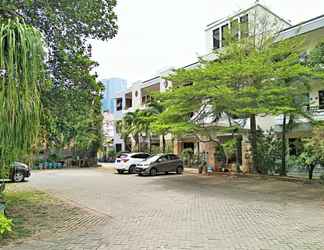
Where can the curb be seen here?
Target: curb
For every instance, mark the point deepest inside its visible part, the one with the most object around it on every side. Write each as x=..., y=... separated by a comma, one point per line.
x=194, y=171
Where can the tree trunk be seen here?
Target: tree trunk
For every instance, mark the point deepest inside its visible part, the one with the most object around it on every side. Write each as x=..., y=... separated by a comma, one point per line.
x=310, y=171
x=125, y=143
x=138, y=143
x=255, y=161
x=283, y=171
x=198, y=153
x=237, y=152
x=149, y=142
x=163, y=143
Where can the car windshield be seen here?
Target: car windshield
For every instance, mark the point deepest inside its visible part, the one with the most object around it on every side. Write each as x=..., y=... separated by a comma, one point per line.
x=153, y=158
x=123, y=155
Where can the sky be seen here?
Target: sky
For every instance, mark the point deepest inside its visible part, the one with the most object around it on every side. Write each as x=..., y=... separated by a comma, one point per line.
x=158, y=34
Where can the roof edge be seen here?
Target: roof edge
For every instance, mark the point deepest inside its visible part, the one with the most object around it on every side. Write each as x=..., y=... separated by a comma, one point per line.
x=246, y=10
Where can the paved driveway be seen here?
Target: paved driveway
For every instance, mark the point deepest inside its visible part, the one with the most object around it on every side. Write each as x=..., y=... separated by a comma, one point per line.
x=180, y=212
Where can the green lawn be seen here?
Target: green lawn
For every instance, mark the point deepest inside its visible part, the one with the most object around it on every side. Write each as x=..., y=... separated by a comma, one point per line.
x=34, y=214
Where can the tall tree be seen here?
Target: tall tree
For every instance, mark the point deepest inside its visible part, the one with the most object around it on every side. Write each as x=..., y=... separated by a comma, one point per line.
x=244, y=81
x=132, y=125
x=155, y=108
x=67, y=27
x=22, y=76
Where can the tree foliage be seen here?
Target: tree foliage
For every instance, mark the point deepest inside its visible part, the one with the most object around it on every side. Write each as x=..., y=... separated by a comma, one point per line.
x=78, y=122
x=71, y=114
x=313, y=152
x=244, y=81
x=21, y=80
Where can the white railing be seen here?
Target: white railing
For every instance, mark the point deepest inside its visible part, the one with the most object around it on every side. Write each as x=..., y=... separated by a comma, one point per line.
x=314, y=111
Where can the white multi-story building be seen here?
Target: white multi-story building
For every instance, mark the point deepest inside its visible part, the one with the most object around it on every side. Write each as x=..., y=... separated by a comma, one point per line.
x=256, y=20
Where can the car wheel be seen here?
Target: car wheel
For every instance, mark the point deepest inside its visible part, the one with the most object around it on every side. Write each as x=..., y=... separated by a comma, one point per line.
x=153, y=172
x=131, y=170
x=18, y=177
x=120, y=171
x=179, y=170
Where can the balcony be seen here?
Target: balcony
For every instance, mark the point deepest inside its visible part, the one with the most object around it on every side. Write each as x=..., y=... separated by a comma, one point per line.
x=128, y=100
x=147, y=92
x=316, y=112
x=119, y=104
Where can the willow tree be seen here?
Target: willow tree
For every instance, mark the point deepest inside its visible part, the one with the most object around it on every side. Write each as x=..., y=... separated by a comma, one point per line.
x=21, y=77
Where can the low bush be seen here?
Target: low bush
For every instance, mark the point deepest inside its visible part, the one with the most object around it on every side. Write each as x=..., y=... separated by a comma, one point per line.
x=5, y=225
x=322, y=178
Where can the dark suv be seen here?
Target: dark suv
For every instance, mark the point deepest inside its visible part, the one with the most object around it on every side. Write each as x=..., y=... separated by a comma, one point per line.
x=19, y=171
x=162, y=163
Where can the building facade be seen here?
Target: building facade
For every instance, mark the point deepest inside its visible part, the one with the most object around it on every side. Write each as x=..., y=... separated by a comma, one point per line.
x=112, y=87
x=257, y=21
x=112, y=139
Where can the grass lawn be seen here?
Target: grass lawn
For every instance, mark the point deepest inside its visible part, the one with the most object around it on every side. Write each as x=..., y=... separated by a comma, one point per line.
x=35, y=214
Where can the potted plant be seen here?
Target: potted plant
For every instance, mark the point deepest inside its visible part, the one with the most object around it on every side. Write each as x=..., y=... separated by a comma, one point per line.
x=186, y=156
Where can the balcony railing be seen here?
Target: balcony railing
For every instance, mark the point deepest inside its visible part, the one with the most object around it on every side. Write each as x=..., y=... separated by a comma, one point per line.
x=315, y=110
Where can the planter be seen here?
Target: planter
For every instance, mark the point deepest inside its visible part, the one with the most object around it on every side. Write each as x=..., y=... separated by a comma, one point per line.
x=2, y=208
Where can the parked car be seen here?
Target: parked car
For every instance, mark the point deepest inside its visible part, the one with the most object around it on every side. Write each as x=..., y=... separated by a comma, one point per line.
x=19, y=171
x=128, y=161
x=162, y=163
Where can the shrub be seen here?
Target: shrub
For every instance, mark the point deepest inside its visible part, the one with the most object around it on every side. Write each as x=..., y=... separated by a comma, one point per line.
x=112, y=153
x=313, y=154
x=186, y=156
x=269, y=152
x=322, y=178
x=5, y=225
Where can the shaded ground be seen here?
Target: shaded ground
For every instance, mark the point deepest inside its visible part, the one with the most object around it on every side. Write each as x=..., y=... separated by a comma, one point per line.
x=185, y=212
x=38, y=215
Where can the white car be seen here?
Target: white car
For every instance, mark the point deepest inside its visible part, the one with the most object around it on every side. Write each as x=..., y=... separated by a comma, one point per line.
x=128, y=161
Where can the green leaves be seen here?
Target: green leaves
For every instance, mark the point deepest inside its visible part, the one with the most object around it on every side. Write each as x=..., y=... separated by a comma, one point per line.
x=71, y=107
x=314, y=147
x=22, y=64
x=5, y=225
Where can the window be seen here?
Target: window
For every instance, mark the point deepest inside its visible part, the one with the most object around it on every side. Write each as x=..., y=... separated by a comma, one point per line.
x=162, y=158
x=216, y=39
x=235, y=29
x=321, y=99
x=189, y=83
x=129, y=103
x=119, y=104
x=172, y=157
x=141, y=156
x=118, y=147
x=145, y=156
x=189, y=145
x=143, y=99
x=244, y=24
x=128, y=100
x=146, y=99
x=224, y=34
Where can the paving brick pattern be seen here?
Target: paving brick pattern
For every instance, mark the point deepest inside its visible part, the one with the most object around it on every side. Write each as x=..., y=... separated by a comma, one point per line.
x=177, y=212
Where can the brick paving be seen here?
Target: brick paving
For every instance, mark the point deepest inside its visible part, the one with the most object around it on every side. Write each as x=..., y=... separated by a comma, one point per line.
x=178, y=212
